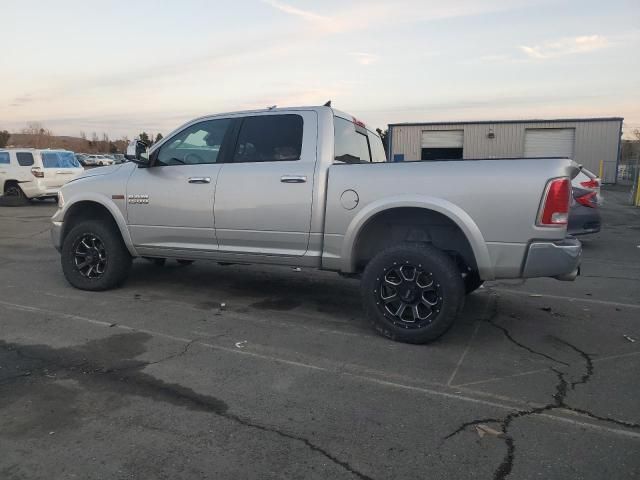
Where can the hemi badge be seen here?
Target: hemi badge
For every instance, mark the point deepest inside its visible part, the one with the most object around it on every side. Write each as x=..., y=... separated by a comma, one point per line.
x=117, y=197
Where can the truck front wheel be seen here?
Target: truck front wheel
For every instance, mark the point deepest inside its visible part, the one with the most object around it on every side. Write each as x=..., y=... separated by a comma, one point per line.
x=94, y=257
x=412, y=293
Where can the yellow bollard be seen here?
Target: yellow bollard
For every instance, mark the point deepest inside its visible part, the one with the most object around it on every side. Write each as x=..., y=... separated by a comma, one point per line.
x=601, y=169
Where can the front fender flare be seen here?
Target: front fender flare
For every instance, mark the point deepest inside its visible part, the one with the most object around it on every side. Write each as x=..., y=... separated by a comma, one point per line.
x=107, y=203
x=445, y=207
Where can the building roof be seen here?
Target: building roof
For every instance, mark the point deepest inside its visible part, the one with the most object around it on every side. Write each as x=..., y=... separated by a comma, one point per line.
x=533, y=120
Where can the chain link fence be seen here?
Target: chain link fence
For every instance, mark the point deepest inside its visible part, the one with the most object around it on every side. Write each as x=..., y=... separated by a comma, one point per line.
x=629, y=174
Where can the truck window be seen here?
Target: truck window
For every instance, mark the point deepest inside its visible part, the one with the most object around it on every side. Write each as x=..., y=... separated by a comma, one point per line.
x=25, y=159
x=269, y=138
x=197, y=144
x=351, y=146
x=377, y=149
x=4, y=158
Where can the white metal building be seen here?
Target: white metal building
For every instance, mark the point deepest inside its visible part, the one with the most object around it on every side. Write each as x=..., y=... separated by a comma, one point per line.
x=588, y=141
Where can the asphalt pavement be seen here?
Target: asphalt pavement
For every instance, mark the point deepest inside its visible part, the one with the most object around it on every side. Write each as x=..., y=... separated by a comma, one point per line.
x=213, y=371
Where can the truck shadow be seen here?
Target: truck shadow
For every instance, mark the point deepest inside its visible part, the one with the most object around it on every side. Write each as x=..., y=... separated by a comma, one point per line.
x=322, y=297
x=244, y=288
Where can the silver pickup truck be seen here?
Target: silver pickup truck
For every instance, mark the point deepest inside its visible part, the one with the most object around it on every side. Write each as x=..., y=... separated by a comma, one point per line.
x=311, y=187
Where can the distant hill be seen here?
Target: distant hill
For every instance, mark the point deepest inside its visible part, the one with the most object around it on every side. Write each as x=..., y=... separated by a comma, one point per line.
x=75, y=144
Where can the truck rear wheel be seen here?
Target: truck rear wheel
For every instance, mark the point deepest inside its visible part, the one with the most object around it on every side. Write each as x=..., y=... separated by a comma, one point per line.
x=412, y=293
x=94, y=257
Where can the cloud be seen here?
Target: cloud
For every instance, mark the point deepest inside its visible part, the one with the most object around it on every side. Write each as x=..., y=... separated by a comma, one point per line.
x=365, y=58
x=304, y=14
x=21, y=100
x=380, y=13
x=566, y=46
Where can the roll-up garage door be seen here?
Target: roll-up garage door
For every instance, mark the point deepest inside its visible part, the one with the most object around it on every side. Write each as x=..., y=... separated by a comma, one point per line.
x=442, y=139
x=549, y=142
x=442, y=144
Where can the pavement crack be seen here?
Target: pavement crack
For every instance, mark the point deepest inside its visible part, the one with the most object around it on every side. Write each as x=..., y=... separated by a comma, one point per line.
x=559, y=396
x=491, y=321
x=589, y=369
x=181, y=353
x=90, y=366
x=312, y=446
x=621, y=423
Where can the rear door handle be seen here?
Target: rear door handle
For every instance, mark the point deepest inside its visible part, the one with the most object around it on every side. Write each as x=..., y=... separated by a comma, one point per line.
x=199, y=179
x=293, y=178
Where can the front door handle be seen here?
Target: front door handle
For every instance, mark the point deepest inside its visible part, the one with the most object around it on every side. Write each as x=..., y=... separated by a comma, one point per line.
x=199, y=179
x=293, y=178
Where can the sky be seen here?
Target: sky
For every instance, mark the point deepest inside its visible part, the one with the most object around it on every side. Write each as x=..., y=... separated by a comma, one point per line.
x=121, y=67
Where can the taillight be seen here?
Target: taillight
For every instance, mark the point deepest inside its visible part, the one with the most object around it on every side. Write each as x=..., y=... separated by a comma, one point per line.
x=554, y=210
x=594, y=183
x=37, y=172
x=588, y=200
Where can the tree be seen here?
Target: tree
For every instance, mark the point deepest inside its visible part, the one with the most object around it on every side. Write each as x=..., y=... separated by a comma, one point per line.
x=384, y=136
x=158, y=138
x=4, y=138
x=145, y=138
x=37, y=135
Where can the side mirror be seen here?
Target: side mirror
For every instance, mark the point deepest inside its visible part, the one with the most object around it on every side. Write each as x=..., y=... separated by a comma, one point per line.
x=137, y=153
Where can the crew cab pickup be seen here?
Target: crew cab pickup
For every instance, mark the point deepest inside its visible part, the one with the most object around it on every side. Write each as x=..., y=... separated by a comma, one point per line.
x=310, y=187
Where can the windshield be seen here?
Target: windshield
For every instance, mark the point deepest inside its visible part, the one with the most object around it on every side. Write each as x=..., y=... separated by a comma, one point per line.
x=59, y=160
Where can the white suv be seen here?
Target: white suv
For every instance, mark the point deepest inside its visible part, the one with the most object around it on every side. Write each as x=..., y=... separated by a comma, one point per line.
x=27, y=173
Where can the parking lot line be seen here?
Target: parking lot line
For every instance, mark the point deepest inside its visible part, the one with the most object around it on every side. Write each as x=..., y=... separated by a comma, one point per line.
x=367, y=378
x=465, y=351
x=560, y=297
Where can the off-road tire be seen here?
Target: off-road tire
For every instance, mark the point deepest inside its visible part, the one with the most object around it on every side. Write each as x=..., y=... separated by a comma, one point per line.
x=118, y=259
x=435, y=267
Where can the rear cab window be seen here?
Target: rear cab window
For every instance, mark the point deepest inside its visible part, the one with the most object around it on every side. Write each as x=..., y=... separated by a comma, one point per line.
x=269, y=138
x=354, y=143
x=4, y=158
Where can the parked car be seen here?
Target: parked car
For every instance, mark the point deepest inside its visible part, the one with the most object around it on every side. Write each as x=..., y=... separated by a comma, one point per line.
x=119, y=157
x=27, y=173
x=584, y=215
x=82, y=158
x=98, y=161
x=310, y=187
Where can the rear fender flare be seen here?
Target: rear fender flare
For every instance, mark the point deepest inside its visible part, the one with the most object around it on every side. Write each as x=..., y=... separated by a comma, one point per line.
x=449, y=209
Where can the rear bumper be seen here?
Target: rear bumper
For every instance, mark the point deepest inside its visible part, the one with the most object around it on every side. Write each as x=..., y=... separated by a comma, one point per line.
x=38, y=190
x=559, y=259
